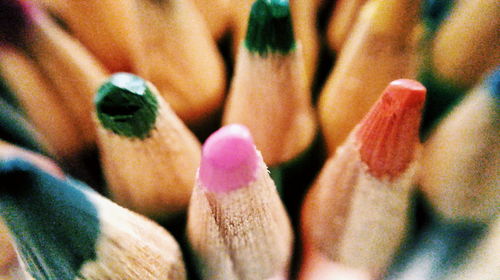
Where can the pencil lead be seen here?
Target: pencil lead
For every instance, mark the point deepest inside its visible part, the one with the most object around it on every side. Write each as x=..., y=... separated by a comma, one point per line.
x=229, y=159
x=270, y=28
x=68, y=240
x=15, y=18
x=389, y=132
x=65, y=230
x=126, y=106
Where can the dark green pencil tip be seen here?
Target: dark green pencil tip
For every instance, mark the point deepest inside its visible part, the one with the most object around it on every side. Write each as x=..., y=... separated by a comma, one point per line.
x=270, y=28
x=126, y=106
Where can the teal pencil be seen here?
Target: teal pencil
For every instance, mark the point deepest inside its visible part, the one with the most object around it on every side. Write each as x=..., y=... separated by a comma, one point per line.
x=64, y=230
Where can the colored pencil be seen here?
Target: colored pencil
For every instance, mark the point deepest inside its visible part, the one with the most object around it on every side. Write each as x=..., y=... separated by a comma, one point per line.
x=462, y=49
x=357, y=210
x=461, y=159
x=8, y=258
x=467, y=44
x=41, y=103
x=180, y=57
x=304, y=19
x=148, y=155
x=237, y=226
x=217, y=14
x=73, y=71
x=438, y=250
x=341, y=22
x=111, y=34
x=16, y=129
x=269, y=93
x=64, y=230
x=381, y=48
x=482, y=261
x=319, y=267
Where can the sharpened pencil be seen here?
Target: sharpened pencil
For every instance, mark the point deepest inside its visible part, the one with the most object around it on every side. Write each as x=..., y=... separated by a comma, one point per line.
x=357, y=210
x=64, y=230
x=148, y=155
x=304, y=19
x=380, y=49
x=269, y=93
x=237, y=225
x=461, y=159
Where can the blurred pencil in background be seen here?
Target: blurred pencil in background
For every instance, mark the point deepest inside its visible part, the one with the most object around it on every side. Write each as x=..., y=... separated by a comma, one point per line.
x=148, y=155
x=180, y=57
x=217, y=14
x=462, y=49
x=381, y=48
x=461, y=160
x=237, y=225
x=269, y=92
x=356, y=212
x=42, y=104
x=341, y=22
x=108, y=28
x=72, y=70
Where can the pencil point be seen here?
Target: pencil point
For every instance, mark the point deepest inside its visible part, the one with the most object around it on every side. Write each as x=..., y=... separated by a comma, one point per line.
x=15, y=18
x=270, y=28
x=388, y=134
x=229, y=159
x=126, y=106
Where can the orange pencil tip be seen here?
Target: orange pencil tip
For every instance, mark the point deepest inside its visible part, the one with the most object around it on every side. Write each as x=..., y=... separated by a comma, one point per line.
x=388, y=135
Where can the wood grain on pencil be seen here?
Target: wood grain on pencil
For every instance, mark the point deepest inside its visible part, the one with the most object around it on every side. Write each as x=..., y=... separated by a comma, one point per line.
x=149, y=156
x=461, y=159
x=64, y=230
x=380, y=48
x=269, y=93
x=356, y=212
x=304, y=20
x=237, y=225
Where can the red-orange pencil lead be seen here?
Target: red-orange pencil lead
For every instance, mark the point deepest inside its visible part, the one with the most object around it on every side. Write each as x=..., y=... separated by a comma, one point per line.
x=356, y=211
x=389, y=132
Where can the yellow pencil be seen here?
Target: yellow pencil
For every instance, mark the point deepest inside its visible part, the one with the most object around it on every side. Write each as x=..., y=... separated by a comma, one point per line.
x=381, y=48
x=180, y=57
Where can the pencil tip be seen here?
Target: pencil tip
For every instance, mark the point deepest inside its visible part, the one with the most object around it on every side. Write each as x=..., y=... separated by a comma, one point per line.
x=229, y=159
x=126, y=106
x=388, y=135
x=270, y=28
x=15, y=18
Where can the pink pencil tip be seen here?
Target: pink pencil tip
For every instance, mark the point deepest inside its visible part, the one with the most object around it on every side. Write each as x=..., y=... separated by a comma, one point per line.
x=229, y=159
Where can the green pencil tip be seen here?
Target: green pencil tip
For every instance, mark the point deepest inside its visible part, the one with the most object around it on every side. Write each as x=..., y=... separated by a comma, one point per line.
x=126, y=106
x=270, y=28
